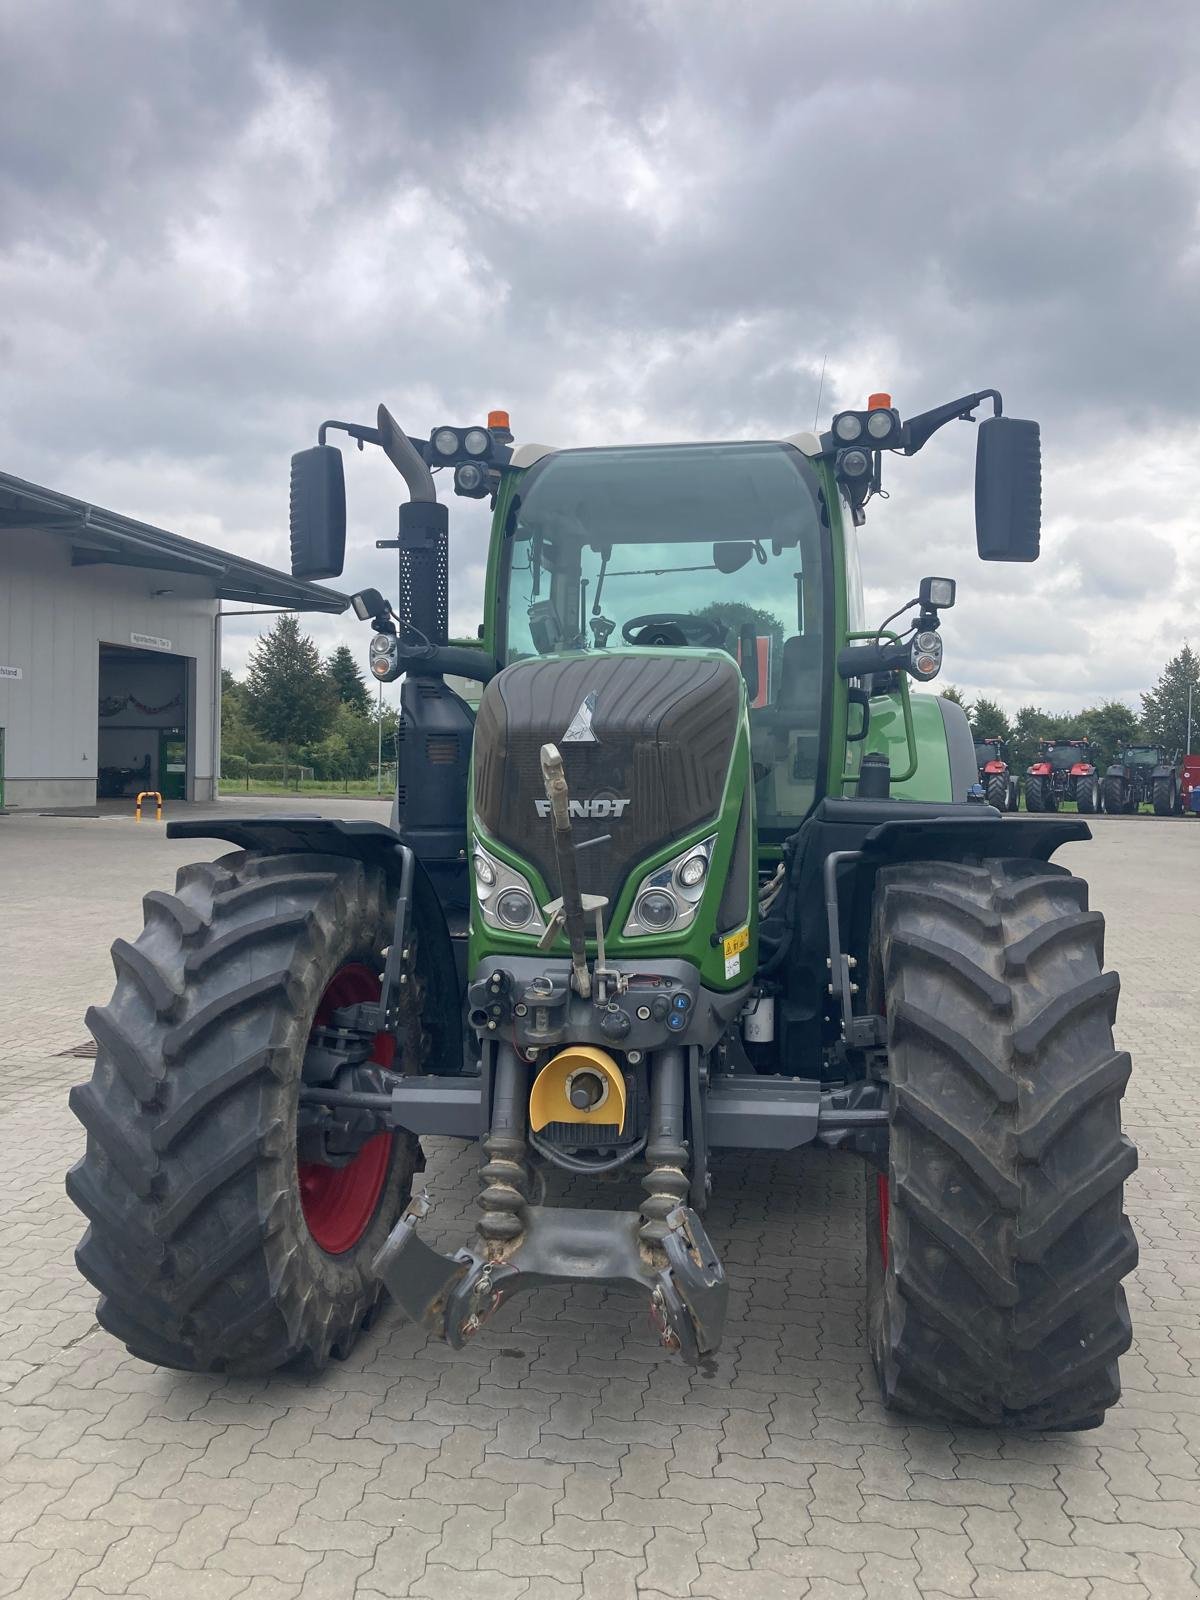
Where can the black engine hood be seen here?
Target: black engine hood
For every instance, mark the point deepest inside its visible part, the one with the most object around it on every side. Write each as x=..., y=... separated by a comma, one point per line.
x=662, y=729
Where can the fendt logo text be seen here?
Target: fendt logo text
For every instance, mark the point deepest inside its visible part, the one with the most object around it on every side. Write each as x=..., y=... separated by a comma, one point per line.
x=588, y=808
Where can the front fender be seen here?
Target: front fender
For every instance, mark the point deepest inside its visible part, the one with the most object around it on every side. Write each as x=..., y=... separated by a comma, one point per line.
x=375, y=844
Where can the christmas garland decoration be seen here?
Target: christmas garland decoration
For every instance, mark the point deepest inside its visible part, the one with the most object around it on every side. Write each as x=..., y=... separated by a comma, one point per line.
x=113, y=705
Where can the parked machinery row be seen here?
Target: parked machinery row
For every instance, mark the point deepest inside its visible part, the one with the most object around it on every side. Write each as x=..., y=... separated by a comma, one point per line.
x=1065, y=769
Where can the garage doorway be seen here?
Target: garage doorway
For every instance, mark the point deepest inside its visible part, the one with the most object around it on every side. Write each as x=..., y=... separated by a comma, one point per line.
x=144, y=739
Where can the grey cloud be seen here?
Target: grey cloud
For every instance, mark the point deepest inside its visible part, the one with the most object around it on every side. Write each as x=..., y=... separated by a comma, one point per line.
x=219, y=225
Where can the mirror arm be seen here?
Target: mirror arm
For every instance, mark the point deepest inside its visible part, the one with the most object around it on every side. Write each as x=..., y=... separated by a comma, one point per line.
x=357, y=431
x=918, y=430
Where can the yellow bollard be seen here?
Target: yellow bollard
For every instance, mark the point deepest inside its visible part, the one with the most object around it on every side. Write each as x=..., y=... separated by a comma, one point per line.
x=137, y=806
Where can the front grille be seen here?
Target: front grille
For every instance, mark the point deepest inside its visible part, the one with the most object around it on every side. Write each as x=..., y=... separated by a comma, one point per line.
x=583, y=1135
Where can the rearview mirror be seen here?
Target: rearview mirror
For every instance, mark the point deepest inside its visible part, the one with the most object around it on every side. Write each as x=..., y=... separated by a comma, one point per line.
x=317, y=515
x=731, y=557
x=1008, y=490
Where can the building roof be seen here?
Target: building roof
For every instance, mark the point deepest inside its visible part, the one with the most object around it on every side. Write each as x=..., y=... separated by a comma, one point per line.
x=103, y=538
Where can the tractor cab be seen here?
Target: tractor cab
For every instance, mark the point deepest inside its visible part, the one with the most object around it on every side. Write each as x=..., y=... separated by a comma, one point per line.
x=613, y=553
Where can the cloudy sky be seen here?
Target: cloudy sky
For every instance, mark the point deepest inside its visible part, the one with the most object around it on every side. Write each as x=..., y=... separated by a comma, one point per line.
x=220, y=224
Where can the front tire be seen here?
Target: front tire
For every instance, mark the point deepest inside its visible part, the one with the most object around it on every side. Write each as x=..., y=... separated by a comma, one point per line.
x=997, y=791
x=1087, y=796
x=1039, y=795
x=1114, y=796
x=997, y=1241
x=213, y=1251
x=1164, y=797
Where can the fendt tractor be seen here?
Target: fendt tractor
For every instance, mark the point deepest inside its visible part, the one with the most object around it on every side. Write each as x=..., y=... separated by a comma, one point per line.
x=700, y=876
x=1001, y=786
x=1144, y=775
x=1064, y=770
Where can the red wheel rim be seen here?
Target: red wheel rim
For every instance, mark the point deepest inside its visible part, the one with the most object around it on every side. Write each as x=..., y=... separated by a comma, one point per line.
x=339, y=1202
x=883, y=1199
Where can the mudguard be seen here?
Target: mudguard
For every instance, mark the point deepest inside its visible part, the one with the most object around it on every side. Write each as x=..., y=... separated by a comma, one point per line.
x=441, y=952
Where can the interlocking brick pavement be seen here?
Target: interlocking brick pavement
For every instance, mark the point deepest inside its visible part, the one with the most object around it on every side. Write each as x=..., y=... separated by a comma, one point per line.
x=564, y=1456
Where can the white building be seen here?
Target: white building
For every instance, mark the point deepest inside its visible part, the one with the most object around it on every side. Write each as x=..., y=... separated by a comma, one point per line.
x=110, y=650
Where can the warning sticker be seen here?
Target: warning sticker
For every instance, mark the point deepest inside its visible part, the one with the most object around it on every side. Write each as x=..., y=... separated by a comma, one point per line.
x=735, y=943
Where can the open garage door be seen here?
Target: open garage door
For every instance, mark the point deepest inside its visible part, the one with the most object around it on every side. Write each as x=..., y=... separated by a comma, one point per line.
x=144, y=739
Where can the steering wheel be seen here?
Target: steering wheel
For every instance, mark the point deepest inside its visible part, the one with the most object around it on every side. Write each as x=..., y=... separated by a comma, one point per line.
x=673, y=628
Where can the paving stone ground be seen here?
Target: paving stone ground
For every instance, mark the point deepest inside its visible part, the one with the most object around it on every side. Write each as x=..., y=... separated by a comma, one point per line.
x=563, y=1455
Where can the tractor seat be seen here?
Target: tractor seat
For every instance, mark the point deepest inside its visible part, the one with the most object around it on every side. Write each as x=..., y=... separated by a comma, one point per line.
x=799, y=687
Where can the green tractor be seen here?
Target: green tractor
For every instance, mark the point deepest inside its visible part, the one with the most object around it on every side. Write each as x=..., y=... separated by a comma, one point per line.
x=700, y=875
x=1144, y=774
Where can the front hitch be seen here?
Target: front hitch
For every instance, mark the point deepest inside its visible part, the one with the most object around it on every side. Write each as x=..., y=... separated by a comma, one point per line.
x=455, y=1295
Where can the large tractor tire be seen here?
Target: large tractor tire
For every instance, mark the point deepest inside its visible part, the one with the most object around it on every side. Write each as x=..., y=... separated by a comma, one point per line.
x=1039, y=794
x=1014, y=792
x=1087, y=795
x=997, y=1240
x=212, y=1248
x=997, y=791
x=1114, y=796
x=1164, y=797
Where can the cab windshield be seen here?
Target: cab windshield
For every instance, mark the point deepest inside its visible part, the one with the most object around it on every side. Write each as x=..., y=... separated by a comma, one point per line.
x=683, y=547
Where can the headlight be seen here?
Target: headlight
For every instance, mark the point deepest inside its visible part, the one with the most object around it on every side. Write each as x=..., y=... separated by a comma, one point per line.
x=471, y=479
x=656, y=908
x=853, y=463
x=515, y=908
x=880, y=424
x=669, y=897
x=485, y=872
x=692, y=871
x=505, y=895
x=477, y=441
x=847, y=427
x=445, y=442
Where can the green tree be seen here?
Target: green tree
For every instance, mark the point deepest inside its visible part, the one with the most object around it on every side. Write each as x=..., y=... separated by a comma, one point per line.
x=347, y=682
x=1110, y=727
x=290, y=699
x=952, y=692
x=1165, y=707
x=1031, y=725
x=989, y=721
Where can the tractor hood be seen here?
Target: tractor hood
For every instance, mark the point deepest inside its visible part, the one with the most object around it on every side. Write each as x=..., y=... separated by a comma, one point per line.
x=646, y=740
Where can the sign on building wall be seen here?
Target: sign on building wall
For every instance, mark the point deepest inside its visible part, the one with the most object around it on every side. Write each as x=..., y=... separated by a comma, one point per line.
x=12, y=673
x=149, y=642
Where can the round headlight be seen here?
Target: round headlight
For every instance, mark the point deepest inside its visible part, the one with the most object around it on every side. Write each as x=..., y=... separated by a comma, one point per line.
x=470, y=477
x=380, y=666
x=879, y=424
x=854, y=463
x=485, y=871
x=847, y=427
x=691, y=872
x=656, y=909
x=381, y=644
x=476, y=441
x=514, y=908
x=445, y=442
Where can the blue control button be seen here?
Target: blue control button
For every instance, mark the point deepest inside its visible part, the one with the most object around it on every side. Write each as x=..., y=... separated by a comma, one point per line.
x=681, y=1002
x=677, y=1020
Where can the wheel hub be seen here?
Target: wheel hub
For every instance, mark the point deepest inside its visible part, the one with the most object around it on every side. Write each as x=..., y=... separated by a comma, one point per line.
x=339, y=1202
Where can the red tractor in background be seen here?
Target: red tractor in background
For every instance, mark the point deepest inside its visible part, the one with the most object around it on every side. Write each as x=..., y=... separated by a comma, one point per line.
x=1064, y=770
x=1189, y=786
x=1001, y=785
